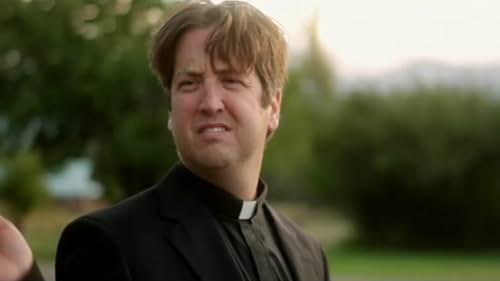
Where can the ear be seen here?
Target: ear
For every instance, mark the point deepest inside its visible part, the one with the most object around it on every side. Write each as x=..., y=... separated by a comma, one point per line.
x=169, y=122
x=275, y=107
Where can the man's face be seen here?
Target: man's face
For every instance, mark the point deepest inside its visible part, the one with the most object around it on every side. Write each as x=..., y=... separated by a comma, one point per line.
x=217, y=118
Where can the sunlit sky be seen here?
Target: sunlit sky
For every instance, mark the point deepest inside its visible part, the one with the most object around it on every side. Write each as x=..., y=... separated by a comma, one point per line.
x=369, y=37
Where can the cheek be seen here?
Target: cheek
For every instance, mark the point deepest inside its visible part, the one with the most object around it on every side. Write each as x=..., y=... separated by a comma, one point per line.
x=242, y=108
x=251, y=116
x=181, y=110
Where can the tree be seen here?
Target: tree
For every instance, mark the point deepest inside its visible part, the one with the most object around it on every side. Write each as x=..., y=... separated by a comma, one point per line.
x=416, y=169
x=307, y=102
x=75, y=82
x=22, y=185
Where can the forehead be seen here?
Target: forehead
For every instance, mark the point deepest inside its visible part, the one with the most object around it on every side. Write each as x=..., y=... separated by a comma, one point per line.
x=192, y=54
x=191, y=47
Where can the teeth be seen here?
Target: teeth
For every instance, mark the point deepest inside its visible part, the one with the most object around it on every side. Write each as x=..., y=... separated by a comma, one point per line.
x=215, y=130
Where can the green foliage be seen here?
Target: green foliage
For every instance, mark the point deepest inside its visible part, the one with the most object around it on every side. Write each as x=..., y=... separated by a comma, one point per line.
x=75, y=82
x=22, y=186
x=307, y=102
x=416, y=169
x=291, y=147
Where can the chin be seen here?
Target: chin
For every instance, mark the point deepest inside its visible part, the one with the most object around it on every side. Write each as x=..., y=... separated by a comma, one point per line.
x=207, y=161
x=213, y=162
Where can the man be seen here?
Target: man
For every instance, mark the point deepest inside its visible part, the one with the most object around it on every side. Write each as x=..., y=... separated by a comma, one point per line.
x=223, y=67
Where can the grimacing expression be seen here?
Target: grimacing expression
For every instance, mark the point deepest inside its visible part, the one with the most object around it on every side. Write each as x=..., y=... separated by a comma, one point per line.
x=217, y=118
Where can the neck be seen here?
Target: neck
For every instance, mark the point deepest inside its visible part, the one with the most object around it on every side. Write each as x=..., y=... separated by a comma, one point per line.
x=241, y=182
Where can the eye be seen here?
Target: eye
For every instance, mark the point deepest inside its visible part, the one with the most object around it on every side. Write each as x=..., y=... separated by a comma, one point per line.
x=187, y=85
x=233, y=82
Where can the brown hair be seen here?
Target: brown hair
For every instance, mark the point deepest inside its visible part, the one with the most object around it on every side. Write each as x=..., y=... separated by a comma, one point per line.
x=241, y=35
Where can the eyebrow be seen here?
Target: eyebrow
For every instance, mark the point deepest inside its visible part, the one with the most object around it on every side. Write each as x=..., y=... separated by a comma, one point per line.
x=226, y=71
x=200, y=73
x=188, y=72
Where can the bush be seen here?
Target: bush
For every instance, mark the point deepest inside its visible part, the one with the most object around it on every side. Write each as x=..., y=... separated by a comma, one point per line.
x=417, y=170
x=22, y=186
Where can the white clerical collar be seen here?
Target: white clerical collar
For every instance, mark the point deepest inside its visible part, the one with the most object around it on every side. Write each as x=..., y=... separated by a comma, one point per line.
x=247, y=210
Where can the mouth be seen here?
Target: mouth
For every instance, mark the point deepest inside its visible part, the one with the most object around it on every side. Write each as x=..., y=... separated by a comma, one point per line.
x=213, y=128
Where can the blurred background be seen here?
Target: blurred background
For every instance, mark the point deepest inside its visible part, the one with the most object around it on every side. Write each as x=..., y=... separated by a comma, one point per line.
x=388, y=151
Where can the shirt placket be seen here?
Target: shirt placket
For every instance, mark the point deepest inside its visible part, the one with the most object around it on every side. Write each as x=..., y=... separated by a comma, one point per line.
x=259, y=252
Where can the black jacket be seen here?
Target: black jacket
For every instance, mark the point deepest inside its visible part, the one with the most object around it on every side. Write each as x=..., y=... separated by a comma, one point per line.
x=167, y=233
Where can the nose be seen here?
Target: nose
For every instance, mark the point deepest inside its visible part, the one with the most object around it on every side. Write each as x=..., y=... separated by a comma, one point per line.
x=210, y=101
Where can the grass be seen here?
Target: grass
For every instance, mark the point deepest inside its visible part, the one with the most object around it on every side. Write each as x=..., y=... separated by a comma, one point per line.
x=386, y=265
x=43, y=229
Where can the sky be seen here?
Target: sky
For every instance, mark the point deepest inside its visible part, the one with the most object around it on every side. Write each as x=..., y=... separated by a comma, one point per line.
x=74, y=181
x=365, y=37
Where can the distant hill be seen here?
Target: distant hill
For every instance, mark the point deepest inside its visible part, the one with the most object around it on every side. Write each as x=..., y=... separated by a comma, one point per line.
x=428, y=73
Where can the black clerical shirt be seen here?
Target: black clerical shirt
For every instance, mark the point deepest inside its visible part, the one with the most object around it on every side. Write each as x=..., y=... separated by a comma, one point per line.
x=249, y=236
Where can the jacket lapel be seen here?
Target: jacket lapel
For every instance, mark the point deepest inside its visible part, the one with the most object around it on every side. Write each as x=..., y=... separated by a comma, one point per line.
x=298, y=255
x=195, y=232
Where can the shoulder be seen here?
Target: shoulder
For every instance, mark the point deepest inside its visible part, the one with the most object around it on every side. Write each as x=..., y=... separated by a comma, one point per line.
x=84, y=249
x=107, y=221
x=117, y=221
x=129, y=210
x=100, y=241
